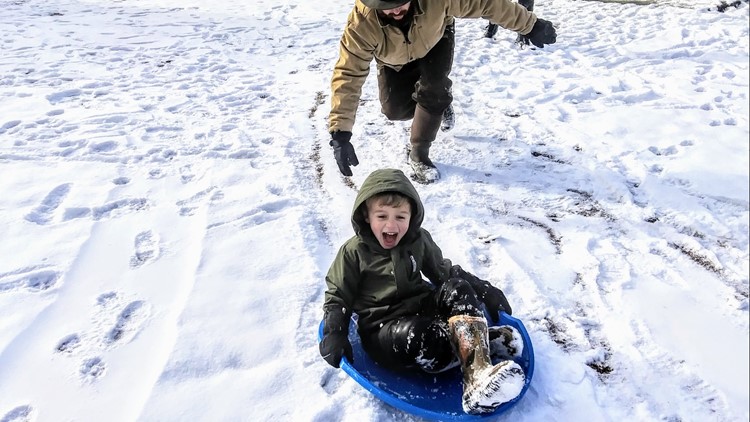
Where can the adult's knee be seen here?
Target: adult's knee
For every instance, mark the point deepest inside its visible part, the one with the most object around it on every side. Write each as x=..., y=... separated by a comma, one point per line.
x=398, y=112
x=434, y=96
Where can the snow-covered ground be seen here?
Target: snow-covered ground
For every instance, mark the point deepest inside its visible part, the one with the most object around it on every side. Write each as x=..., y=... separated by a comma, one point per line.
x=170, y=205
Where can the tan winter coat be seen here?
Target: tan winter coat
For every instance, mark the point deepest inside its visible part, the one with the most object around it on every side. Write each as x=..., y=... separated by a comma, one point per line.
x=366, y=38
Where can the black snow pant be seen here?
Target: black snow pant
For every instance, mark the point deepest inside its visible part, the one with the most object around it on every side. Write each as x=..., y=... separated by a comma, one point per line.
x=423, y=341
x=423, y=81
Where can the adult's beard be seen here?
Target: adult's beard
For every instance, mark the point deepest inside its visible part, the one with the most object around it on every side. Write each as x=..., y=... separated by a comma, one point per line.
x=406, y=16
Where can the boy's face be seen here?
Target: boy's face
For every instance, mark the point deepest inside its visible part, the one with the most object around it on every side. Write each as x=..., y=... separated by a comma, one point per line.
x=388, y=223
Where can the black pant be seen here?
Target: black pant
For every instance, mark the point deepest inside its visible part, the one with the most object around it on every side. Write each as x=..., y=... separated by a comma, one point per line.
x=424, y=81
x=423, y=341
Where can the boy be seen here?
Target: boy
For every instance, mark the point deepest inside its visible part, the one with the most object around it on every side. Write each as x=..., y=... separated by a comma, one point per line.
x=404, y=321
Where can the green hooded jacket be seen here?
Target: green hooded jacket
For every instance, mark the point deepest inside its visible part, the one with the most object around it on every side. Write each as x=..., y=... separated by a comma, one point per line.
x=379, y=284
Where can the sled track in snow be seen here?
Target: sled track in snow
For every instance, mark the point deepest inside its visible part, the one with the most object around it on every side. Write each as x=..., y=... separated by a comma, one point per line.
x=583, y=333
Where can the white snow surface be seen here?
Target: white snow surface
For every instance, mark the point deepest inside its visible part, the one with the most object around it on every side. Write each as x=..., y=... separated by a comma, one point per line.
x=170, y=207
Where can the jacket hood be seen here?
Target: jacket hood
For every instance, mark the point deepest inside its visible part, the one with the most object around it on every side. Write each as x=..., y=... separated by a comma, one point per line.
x=387, y=180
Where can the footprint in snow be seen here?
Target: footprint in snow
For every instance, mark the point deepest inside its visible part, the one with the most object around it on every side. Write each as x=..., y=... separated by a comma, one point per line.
x=187, y=174
x=9, y=125
x=101, y=335
x=43, y=213
x=85, y=341
x=32, y=281
x=107, y=299
x=67, y=95
x=23, y=413
x=672, y=149
x=190, y=205
x=69, y=344
x=112, y=209
x=42, y=280
x=92, y=369
x=129, y=323
x=156, y=174
x=262, y=214
x=146, y=249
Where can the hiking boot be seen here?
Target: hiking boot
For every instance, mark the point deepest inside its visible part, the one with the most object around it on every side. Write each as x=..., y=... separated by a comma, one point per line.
x=425, y=171
x=449, y=119
x=490, y=30
x=424, y=128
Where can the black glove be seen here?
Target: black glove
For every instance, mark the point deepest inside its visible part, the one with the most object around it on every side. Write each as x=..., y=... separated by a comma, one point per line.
x=492, y=297
x=542, y=33
x=343, y=151
x=335, y=343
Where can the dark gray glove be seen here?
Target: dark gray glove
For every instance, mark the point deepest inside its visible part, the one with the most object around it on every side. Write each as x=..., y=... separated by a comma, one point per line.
x=542, y=33
x=492, y=297
x=335, y=343
x=343, y=151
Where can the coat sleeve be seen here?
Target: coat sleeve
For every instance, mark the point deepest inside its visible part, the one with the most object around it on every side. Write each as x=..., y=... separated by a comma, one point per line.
x=342, y=280
x=436, y=268
x=506, y=13
x=356, y=52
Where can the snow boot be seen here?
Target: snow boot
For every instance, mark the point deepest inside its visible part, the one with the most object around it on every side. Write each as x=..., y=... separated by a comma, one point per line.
x=505, y=342
x=449, y=119
x=424, y=129
x=490, y=30
x=486, y=386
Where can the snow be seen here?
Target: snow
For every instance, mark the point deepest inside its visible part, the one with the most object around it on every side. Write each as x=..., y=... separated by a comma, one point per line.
x=170, y=206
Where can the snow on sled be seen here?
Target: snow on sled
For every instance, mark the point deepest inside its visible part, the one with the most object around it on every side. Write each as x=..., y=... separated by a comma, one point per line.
x=430, y=396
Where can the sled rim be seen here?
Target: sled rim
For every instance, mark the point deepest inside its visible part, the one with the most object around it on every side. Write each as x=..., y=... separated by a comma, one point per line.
x=401, y=404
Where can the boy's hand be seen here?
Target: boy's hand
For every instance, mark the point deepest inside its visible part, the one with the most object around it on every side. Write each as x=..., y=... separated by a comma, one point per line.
x=495, y=301
x=335, y=346
x=335, y=343
x=493, y=298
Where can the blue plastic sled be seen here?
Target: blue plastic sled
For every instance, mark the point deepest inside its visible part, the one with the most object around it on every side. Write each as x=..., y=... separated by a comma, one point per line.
x=430, y=396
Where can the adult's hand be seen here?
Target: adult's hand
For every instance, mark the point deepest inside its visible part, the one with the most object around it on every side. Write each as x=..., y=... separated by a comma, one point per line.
x=542, y=33
x=343, y=151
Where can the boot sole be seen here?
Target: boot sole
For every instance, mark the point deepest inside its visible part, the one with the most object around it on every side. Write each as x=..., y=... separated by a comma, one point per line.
x=500, y=384
x=423, y=173
x=505, y=343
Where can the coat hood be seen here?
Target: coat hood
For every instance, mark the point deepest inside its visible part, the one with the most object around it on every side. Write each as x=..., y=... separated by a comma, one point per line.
x=387, y=180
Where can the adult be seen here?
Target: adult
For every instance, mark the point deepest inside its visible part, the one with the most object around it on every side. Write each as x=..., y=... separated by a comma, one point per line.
x=412, y=43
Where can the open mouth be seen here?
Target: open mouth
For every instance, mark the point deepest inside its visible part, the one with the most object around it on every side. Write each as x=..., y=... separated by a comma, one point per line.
x=390, y=238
